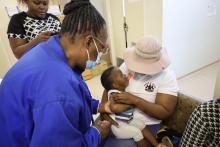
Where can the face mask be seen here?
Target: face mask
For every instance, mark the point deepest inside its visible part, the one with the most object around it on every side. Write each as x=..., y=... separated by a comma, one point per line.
x=90, y=64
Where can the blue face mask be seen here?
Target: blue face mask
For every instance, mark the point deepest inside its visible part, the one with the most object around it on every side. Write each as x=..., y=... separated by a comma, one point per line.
x=90, y=64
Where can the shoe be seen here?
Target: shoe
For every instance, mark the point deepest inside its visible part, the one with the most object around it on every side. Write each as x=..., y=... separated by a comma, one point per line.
x=166, y=141
x=161, y=145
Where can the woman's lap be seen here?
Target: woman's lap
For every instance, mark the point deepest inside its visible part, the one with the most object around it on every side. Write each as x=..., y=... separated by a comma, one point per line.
x=114, y=142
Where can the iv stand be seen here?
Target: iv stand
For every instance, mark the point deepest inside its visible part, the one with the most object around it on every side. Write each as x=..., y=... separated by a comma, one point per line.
x=125, y=31
x=125, y=24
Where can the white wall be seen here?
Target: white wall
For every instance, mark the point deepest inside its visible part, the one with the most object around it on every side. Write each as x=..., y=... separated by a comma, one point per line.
x=153, y=12
x=7, y=58
x=100, y=6
x=5, y=63
x=135, y=20
x=191, y=37
x=115, y=21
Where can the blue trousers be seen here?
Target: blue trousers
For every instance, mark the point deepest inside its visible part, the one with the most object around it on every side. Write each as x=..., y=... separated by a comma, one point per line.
x=114, y=142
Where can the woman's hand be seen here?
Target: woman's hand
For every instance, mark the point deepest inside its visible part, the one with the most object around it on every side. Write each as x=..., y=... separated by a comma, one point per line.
x=105, y=116
x=124, y=98
x=163, y=107
x=104, y=110
x=44, y=36
x=103, y=127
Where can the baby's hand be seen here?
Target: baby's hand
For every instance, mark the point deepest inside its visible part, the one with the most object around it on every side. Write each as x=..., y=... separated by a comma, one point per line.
x=105, y=108
x=105, y=116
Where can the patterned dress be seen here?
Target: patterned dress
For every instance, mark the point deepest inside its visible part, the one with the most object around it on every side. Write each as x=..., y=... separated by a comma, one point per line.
x=22, y=26
x=203, y=127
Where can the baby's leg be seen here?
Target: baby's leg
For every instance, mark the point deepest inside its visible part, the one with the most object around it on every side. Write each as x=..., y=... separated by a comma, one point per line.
x=126, y=131
x=149, y=136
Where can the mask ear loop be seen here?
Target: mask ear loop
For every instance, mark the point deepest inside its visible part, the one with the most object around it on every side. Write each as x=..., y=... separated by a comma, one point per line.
x=88, y=54
x=107, y=49
x=95, y=45
x=99, y=53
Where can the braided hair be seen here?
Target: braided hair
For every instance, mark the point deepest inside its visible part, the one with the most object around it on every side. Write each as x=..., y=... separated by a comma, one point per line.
x=81, y=16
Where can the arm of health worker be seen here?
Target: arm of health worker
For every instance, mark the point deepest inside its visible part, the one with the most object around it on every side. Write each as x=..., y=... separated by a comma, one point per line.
x=53, y=126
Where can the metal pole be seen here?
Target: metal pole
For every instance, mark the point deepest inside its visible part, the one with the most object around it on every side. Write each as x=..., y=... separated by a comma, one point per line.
x=125, y=31
x=125, y=24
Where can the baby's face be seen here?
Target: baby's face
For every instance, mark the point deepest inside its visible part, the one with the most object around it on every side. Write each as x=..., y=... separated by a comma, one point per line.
x=119, y=79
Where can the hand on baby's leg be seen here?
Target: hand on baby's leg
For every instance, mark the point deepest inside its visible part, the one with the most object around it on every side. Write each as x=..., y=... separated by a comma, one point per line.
x=149, y=136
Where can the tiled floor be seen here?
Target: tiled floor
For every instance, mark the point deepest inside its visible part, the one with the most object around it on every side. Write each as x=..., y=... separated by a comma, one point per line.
x=95, y=87
x=199, y=84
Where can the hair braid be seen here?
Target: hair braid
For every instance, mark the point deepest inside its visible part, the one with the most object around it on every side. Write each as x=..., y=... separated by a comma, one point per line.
x=81, y=17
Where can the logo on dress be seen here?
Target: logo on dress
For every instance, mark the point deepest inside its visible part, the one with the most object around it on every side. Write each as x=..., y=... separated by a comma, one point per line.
x=149, y=87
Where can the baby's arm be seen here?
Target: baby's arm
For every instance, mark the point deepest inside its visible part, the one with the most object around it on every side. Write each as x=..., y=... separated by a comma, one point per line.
x=118, y=107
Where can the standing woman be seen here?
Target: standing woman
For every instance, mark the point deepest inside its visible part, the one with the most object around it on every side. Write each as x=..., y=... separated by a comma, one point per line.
x=27, y=29
x=47, y=103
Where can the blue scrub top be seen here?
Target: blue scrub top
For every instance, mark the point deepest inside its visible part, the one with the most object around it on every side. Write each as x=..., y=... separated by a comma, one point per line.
x=45, y=103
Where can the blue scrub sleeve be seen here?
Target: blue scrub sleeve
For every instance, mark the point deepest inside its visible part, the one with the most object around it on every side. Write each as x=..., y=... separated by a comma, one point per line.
x=95, y=104
x=53, y=126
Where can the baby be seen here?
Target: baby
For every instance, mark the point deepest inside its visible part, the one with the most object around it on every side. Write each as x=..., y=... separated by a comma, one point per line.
x=114, y=81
